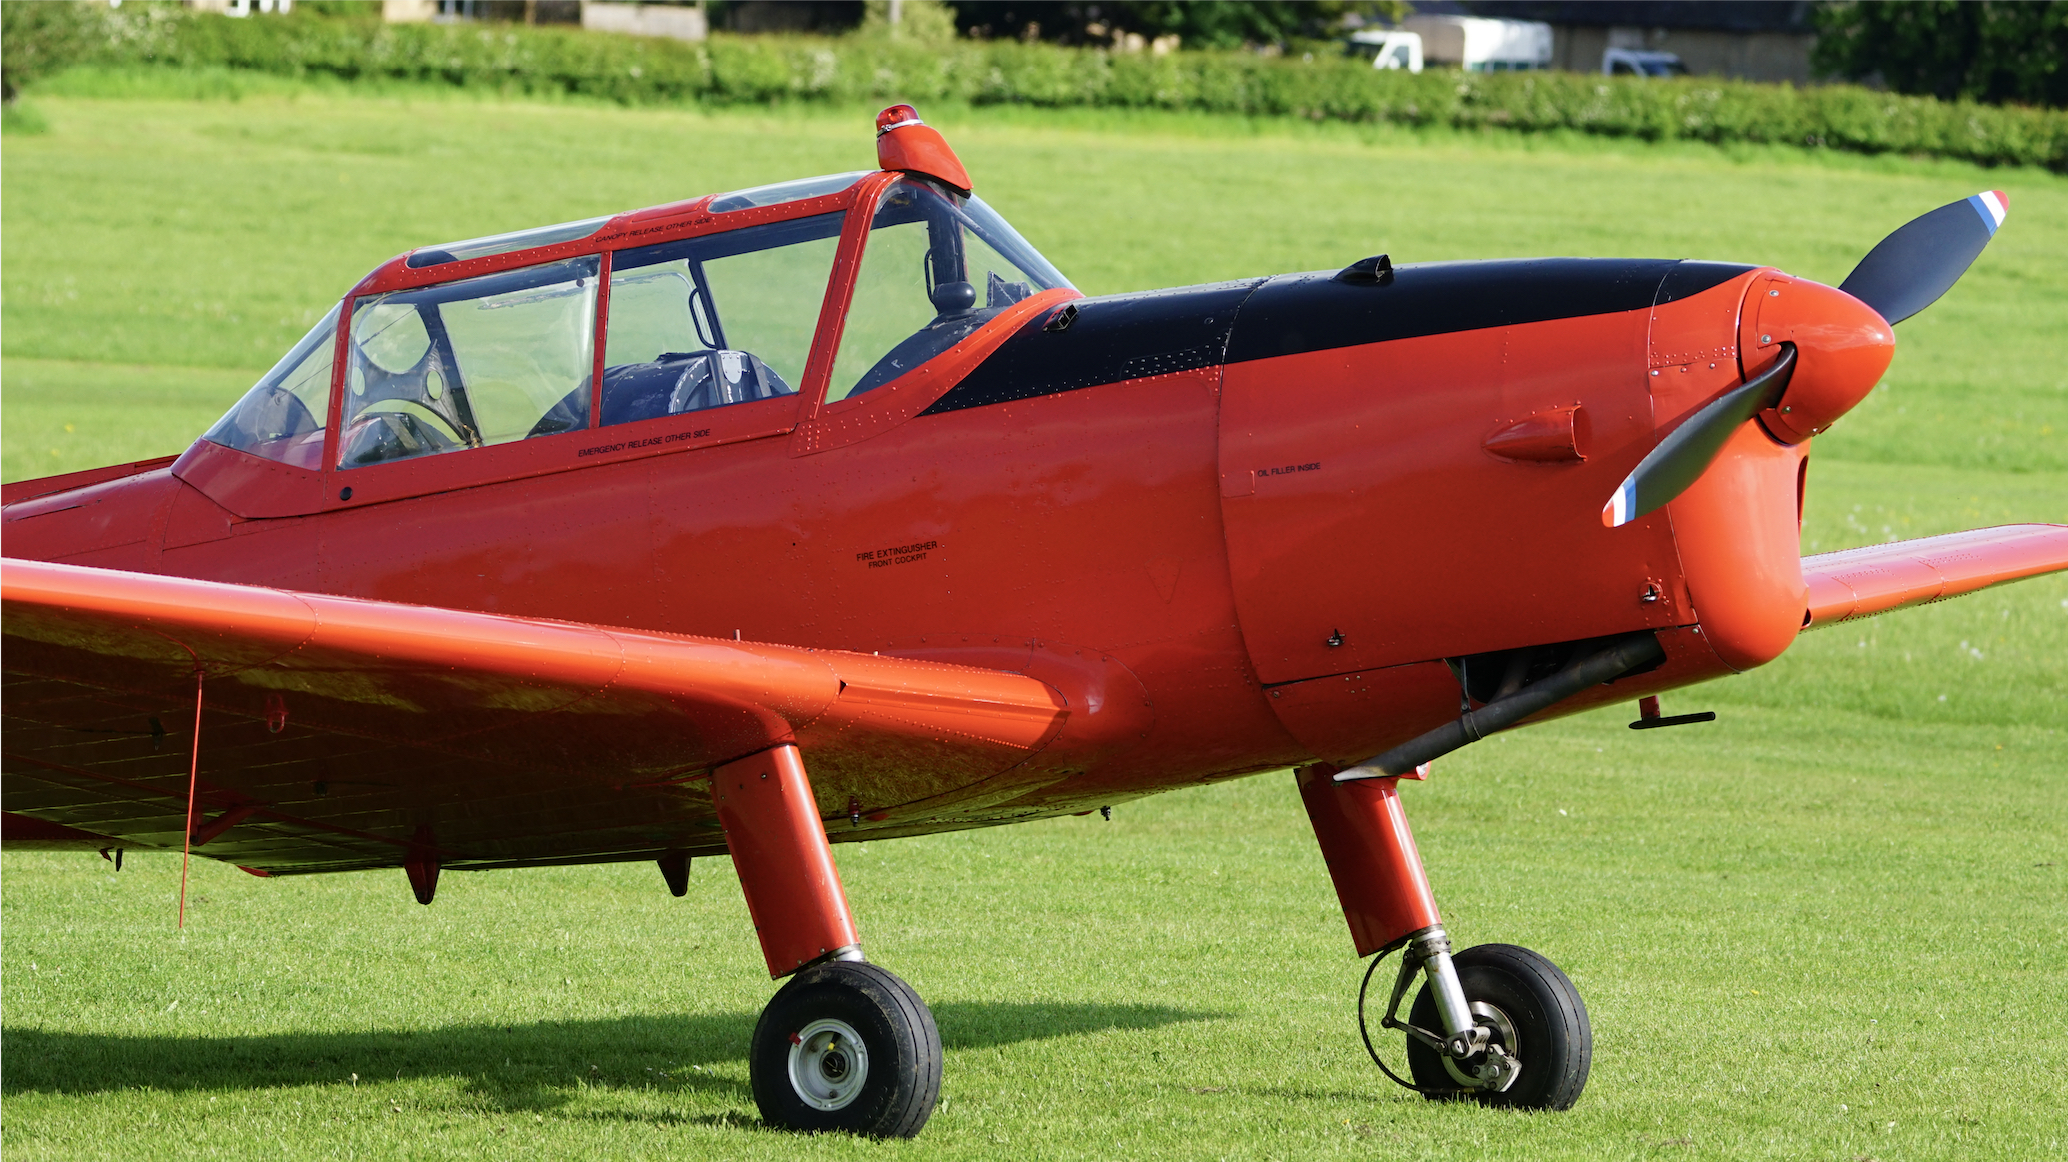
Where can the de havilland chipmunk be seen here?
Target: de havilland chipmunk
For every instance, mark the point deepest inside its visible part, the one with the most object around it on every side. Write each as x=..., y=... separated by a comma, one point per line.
x=831, y=511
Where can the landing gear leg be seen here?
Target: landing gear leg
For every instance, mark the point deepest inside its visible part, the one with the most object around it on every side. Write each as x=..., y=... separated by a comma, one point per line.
x=1497, y=1023
x=844, y=1045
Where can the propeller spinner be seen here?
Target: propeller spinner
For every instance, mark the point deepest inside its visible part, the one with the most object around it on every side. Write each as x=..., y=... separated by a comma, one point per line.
x=1905, y=273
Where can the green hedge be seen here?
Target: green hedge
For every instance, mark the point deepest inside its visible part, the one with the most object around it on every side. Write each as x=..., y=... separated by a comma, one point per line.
x=634, y=70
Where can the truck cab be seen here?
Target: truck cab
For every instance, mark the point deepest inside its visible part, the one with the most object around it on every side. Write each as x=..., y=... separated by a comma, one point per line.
x=1386, y=48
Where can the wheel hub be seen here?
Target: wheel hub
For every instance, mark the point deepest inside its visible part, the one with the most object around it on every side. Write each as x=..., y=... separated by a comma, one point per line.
x=829, y=1064
x=1500, y=1064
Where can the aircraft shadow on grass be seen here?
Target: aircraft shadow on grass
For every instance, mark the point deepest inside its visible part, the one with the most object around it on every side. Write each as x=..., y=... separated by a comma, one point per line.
x=519, y=1067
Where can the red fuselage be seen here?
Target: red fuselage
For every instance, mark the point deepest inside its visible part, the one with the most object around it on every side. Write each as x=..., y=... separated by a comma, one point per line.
x=1239, y=526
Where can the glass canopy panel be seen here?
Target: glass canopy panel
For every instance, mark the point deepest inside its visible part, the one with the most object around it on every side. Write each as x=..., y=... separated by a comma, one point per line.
x=470, y=363
x=504, y=243
x=716, y=319
x=781, y=192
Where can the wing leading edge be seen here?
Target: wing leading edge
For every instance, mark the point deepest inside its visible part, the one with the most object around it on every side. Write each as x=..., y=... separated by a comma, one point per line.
x=344, y=733
x=1875, y=579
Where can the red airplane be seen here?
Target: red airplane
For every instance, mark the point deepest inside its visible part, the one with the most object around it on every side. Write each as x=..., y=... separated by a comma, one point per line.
x=830, y=511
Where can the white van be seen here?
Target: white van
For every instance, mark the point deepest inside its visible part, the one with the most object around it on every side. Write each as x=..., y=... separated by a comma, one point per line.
x=1637, y=62
x=1481, y=45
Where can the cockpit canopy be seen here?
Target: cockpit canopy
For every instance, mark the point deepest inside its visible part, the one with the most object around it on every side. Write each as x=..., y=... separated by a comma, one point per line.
x=710, y=312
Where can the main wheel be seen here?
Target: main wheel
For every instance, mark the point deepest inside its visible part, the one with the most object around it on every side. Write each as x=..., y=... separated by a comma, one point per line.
x=1536, y=1016
x=846, y=1046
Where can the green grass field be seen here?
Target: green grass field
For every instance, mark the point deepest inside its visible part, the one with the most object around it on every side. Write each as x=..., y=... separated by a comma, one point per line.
x=1832, y=925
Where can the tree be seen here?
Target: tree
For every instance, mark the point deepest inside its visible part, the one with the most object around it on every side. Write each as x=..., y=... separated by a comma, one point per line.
x=919, y=21
x=1198, y=23
x=1985, y=50
x=38, y=39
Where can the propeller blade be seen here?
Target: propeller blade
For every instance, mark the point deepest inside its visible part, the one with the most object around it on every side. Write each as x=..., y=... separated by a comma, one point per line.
x=1911, y=268
x=1686, y=452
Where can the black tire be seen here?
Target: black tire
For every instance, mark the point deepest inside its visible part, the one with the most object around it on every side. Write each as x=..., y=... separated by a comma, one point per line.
x=1552, y=1037
x=887, y=1089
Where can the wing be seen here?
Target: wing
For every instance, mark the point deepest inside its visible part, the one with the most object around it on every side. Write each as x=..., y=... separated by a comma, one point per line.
x=1878, y=578
x=337, y=733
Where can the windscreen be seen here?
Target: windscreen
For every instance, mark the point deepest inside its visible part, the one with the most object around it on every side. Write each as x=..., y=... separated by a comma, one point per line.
x=938, y=266
x=282, y=417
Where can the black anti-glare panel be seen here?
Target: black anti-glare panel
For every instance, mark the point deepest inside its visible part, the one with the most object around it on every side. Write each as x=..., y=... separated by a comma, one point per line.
x=1131, y=336
x=1313, y=312
x=1108, y=340
x=1688, y=279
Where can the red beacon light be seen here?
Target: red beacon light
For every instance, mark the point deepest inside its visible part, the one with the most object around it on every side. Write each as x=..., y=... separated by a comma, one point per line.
x=909, y=145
